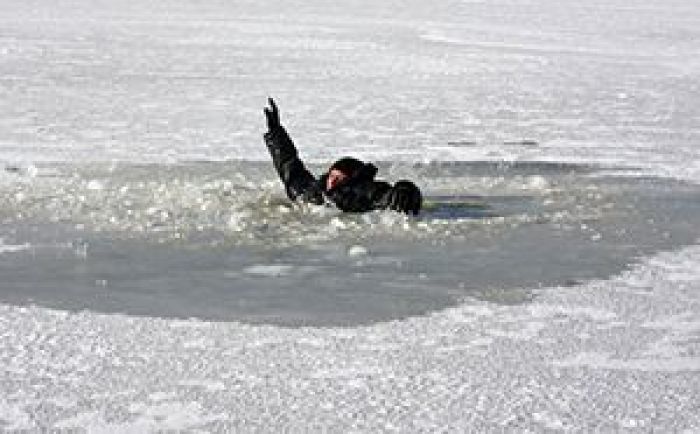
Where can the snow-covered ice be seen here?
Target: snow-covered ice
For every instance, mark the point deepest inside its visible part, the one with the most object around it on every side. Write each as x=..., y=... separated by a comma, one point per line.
x=582, y=358
x=153, y=277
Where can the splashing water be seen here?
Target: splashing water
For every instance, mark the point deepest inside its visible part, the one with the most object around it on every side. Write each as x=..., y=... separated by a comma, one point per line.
x=220, y=240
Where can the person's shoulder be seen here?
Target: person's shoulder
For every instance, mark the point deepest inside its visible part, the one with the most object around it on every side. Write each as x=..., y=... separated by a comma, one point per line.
x=379, y=188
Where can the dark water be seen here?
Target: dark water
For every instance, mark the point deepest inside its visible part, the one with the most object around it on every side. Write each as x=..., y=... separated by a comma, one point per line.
x=218, y=241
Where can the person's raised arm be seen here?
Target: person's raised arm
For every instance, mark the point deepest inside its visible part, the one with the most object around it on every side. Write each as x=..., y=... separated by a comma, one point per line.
x=298, y=181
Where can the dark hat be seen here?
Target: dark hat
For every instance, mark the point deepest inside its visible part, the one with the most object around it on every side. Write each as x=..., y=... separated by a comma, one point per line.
x=348, y=165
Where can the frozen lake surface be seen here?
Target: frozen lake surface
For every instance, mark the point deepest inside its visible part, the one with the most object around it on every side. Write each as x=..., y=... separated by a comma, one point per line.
x=153, y=277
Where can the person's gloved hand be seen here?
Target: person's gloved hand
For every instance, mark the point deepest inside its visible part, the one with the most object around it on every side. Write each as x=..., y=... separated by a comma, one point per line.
x=405, y=197
x=273, y=115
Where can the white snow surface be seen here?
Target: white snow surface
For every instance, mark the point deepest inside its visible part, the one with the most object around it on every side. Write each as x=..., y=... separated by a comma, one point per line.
x=609, y=82
x=605, y=356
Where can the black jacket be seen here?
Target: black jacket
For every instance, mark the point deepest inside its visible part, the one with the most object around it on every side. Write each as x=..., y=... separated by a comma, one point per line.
x=360, y=193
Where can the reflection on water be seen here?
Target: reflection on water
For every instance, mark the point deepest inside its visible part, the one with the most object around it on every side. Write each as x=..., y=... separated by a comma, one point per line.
x=220, y=240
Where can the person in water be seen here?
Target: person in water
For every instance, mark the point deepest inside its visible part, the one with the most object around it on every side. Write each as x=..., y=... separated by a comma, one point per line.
x=349, y=183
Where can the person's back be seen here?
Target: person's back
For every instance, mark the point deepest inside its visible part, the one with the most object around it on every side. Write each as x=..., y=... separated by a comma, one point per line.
x=349, y=183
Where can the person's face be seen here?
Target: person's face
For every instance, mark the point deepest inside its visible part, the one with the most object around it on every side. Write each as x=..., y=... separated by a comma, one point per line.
x=335, y=177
